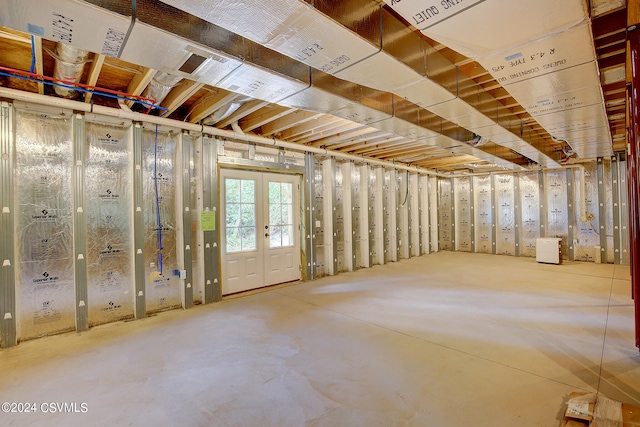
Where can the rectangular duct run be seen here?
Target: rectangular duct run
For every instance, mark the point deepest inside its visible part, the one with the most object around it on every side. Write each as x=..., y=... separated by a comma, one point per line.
x=159, y=211
x=109, y=217
x=530, y=213
x=557, y=207
x=45, y=272
x=505, y=216
x=445, y=220
x=483, y=209
x=72, y=22
x=160, y=50
x=527, y=47
x=289, y=27
x=587, y=235
x=464, y=214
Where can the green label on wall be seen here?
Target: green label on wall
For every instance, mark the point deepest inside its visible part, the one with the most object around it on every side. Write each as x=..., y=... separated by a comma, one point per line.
x=208, y=221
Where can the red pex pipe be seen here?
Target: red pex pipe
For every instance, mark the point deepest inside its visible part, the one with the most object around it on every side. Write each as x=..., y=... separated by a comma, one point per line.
x=80, y=85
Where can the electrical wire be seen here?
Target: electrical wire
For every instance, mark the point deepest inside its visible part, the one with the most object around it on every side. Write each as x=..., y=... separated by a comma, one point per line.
x=407, y=192
x=158, y=219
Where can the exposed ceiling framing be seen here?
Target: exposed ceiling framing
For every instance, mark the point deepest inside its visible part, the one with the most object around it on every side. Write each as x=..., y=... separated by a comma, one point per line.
x=445, y=146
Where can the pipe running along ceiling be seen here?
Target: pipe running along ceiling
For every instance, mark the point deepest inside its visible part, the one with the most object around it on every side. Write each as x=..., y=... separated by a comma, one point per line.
x=350, y=76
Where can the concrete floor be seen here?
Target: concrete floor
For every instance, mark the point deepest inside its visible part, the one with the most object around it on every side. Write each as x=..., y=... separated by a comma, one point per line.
x=448, y=339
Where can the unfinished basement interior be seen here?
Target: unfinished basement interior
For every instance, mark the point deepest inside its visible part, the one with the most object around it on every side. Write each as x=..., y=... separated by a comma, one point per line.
x=320, y=213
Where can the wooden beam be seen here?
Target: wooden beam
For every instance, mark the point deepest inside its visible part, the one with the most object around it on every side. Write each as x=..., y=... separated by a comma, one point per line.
x=289, y=121
x=346, y=135
x=264, y=116
x=372, y=144
x=308, y=126
x=355, y=141
x=345, y=126
x=179, y=94
x=94, y=73
x=209, y=104
x=246, y=109
x=140, y=82
x=37, y=47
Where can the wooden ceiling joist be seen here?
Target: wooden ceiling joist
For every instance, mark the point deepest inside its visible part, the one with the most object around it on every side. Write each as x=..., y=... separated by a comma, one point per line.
x=291, y=120
x=211, y=103
x=264, y=116
x=94, y=73
x=139, y=82
x=244, y=110
x=179, y=94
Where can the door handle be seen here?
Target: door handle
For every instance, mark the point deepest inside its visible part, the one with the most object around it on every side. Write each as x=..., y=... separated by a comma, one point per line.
x=267, y=234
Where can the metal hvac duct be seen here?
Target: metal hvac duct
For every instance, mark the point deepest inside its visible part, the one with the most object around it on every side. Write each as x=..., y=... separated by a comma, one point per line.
x=160, y=86
x=164, y=38
x=541, y=52
x=69, y=66
x=312, y=35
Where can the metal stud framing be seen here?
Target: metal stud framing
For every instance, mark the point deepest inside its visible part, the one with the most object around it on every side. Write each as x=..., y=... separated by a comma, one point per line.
x=310, y=215
x=453, y=214
x=472, y=216
x=370, y=217
x=494, y=216
x=186, y=141
x=517, y=211
x=541, y=198
x=352, y=206
x=210, y=150
x=615, y=187
x=8, y=335
x=602, y=211
x=140, y=307
x=571, y=216
x=80, y=225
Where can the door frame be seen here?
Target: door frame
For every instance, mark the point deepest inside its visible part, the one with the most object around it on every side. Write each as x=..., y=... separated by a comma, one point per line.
x=242, y=164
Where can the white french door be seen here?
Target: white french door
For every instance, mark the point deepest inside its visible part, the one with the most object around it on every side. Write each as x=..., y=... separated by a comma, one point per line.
x=260, y=233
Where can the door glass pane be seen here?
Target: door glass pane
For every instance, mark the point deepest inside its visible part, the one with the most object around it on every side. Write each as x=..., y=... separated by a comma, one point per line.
x=280, y=214
x=240, y=197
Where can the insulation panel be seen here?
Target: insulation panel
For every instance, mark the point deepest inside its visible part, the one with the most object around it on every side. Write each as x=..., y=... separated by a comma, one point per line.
x=557, y=207
x=483, y=209
x=339, y=213
x=505, y=215
x=530, y=214
x=445, y=220
x=159, y=190
x=109, y=218
x=356, y=214
x=463, y=214
x=44, y=224
x=320, y=218
x=586, y=235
